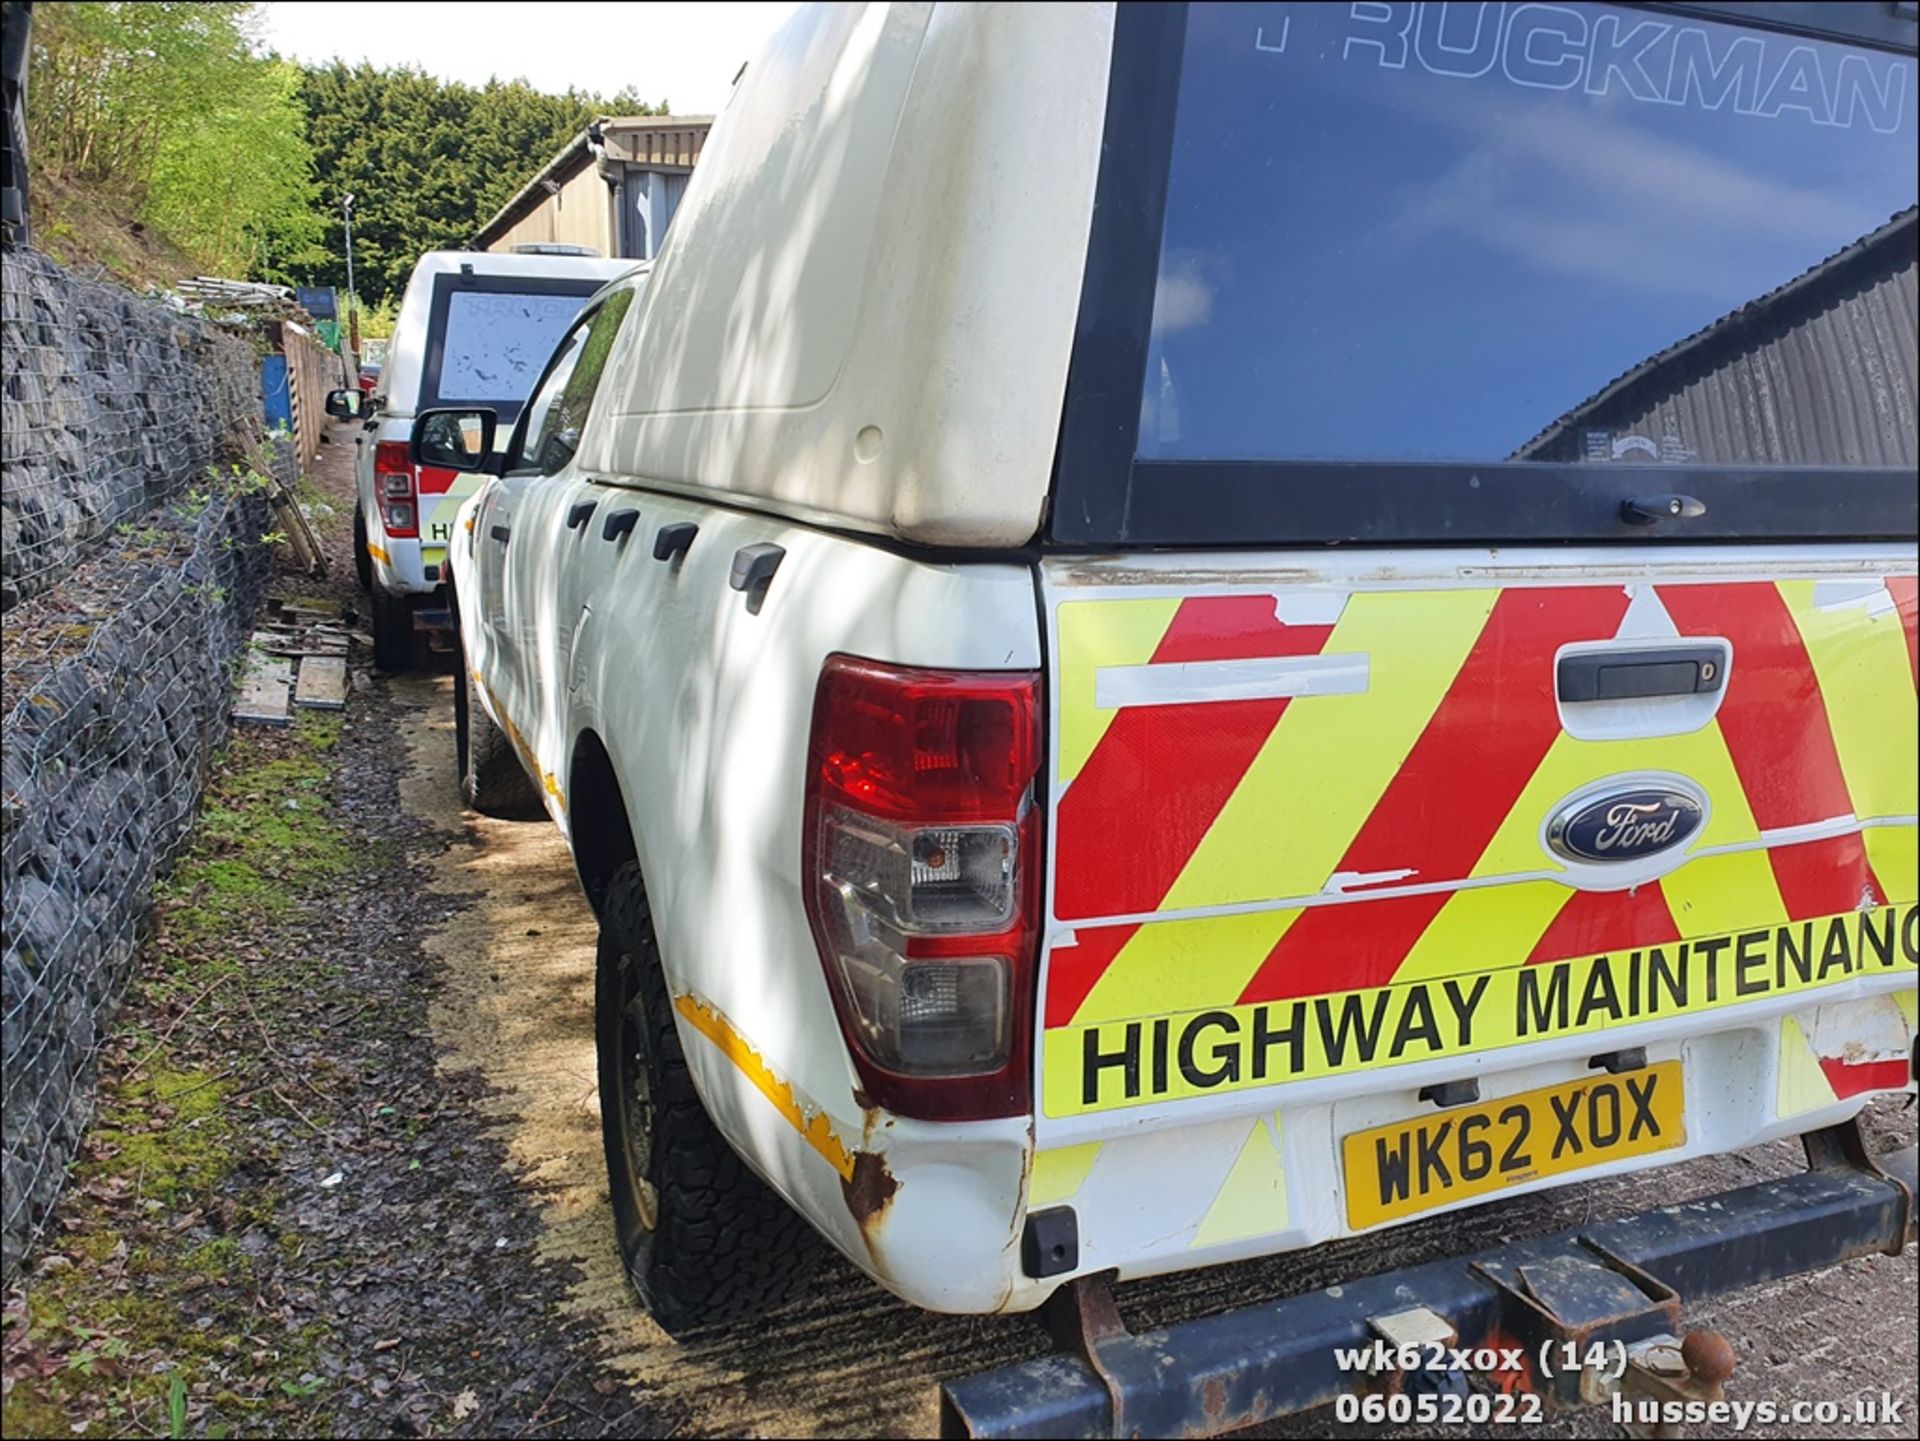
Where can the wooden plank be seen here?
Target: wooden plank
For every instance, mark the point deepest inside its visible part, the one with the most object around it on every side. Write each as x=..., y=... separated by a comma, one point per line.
x=323, y=683
x=263, y=690
x=294, y=648
x=293, y=520
x=314, y=609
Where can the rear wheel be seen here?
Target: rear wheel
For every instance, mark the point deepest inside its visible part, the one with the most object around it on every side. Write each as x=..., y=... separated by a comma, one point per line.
x=362, y=558
x=703, y=1238
x=492, y=780
x=392, y=632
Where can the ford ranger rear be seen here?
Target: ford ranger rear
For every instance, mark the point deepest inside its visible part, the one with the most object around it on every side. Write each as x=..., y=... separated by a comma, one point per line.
x=1167, y=634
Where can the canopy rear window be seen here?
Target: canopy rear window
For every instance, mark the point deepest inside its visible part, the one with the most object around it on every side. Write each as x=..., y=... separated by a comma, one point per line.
x=1459, y=257
x=490, y=336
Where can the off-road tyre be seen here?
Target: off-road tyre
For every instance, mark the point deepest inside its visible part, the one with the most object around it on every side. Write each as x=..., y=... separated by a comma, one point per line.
x=704, y=1240
x=492, y=780
x=392, y=633
x=362, y=557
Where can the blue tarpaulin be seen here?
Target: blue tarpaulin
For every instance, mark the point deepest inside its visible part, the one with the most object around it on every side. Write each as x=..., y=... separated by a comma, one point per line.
x=273, y=388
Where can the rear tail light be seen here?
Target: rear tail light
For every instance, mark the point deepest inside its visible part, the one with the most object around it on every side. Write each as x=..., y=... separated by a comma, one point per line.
x=394, y=489
x=922, y=879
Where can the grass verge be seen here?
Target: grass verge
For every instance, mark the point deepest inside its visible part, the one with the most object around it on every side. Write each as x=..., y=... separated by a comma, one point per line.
x=160, y=1301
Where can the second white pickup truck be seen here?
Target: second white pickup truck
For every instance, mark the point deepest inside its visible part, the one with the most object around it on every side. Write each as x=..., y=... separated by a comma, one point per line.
x=1167, y=635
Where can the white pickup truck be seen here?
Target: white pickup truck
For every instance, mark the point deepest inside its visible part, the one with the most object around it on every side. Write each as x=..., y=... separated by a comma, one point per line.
x=473, y=329
x=1166, y=634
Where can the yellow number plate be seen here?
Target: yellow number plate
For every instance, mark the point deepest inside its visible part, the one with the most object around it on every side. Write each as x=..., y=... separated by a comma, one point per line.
x=1411, y=1166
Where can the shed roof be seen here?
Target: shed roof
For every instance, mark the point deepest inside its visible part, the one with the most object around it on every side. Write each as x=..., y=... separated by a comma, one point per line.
x=658, y=142
x=1816, y=288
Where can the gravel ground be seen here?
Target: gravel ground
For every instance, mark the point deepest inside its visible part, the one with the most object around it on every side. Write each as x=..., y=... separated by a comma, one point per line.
x=459, y=1277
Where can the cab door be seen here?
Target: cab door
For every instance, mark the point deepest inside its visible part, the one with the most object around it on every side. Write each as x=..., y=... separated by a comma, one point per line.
x=510, y=521
x=567, y=532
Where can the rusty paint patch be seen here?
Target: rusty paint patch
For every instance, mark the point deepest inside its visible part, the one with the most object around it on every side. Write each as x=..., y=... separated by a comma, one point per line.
x=869, y=1189
x=1213, y=1398
x=814, y=1127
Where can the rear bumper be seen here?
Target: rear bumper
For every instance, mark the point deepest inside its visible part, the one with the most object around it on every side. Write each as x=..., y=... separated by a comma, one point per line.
x=1620, y=1281
x=403, y=566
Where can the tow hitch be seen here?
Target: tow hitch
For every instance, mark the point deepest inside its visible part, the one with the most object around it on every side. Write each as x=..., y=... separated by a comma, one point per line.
x=1572, y=1319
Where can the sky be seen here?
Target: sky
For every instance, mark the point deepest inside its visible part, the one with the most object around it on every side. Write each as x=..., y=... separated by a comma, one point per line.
x=684, y=53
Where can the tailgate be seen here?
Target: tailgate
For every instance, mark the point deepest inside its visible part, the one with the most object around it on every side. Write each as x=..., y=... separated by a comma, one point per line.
x=1313, y=822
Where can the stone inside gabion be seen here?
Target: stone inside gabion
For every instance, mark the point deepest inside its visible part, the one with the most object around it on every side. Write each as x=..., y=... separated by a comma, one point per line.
x=113, y=406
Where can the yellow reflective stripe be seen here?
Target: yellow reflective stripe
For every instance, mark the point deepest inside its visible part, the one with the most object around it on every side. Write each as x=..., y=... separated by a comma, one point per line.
x=548, y=780
x=1730, y=892
x=1106, y=1065
x=1092, y=634
x=1894, y=854
x=1173, y=966
x=1802, y=1085
x=816, y=1129
x=1866, y=681
x=379, y=553
x=1484, y=928
x=1330, y=759
x=1253, y=1201
x=1570, y=764
x=1706, y=895
x=1057, y=1175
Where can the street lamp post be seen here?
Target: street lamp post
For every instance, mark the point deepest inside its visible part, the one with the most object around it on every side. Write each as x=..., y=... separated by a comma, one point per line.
x=353, y=308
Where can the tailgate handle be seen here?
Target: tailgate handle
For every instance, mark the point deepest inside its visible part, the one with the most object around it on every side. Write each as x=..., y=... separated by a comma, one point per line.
x=1640, y=674
x=1652, y=509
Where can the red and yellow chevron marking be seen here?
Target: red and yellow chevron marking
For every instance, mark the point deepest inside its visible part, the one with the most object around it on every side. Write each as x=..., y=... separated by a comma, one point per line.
x=1871, y=1050
x=1214, y=857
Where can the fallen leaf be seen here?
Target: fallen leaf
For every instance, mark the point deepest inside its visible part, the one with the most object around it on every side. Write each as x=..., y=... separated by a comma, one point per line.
x=465, y=1404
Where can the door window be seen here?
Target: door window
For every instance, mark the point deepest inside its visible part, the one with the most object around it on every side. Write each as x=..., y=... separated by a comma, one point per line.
x=559, y=409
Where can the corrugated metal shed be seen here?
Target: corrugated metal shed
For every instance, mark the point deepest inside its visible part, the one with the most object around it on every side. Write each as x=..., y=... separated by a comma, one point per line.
x=1820, y=372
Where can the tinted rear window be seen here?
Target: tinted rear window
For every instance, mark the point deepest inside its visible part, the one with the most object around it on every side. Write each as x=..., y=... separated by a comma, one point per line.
x=1590, y=233
x=489, y=337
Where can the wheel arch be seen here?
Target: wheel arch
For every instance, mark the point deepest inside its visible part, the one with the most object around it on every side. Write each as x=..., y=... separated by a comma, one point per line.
x=601, y=831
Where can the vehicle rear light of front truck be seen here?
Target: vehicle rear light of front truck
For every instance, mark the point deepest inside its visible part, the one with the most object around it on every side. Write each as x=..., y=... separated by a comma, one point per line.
x=921, y=866
x=394, y=490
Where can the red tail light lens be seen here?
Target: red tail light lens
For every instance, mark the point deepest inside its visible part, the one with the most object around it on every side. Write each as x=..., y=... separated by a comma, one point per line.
x=922, y=879
x=394, y=489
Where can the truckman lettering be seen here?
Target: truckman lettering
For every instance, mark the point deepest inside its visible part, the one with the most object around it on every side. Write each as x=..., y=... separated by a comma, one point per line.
x=1130, y=1061
x=1645, y=59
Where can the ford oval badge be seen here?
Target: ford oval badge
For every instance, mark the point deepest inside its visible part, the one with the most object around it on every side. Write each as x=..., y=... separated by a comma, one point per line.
x=1625, y=825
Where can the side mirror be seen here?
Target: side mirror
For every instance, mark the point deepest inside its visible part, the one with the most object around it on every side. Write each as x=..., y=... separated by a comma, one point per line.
x=346, y=404
x=454, y=439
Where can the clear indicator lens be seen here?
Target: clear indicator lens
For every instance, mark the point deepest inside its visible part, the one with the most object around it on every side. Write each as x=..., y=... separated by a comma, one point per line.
x=936, y=880
x=886, y=885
